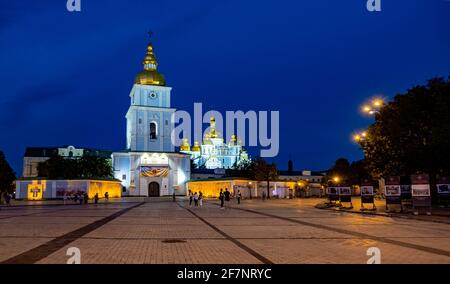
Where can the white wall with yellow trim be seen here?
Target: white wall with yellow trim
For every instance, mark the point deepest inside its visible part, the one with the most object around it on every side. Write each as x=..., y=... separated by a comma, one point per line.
x=248, y=188
x=40, y=189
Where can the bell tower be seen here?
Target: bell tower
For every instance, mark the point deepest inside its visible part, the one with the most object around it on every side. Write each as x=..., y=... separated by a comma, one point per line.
x=149, y=124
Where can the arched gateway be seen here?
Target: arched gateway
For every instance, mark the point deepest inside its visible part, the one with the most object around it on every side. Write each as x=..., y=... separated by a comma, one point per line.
x=153, y=189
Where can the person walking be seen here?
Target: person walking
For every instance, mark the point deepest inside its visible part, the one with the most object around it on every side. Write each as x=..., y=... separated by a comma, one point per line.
x=7, y=199
x=96, y=198
x=200, y=199
x=190, y=198
x=86, y=198
x=221, y=198
x=80, y=197
x=196, y=199
x=106, y=196
x=64, y=197
x=227, y=195
x=239, y=196
x=263, y=195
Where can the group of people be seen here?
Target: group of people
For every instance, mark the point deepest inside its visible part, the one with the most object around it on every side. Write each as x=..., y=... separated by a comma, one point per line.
x=196, y=197
x=83, y=198
x=225, y=196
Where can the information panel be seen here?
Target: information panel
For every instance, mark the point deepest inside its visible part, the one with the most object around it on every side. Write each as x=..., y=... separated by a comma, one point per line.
x=420, y=190
x=392, y=190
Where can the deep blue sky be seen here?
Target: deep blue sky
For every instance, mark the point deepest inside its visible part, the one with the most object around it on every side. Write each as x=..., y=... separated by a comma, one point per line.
x=66, y=77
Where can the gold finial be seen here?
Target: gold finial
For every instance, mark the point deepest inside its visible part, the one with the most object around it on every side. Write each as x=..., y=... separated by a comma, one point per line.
x=213, y=133
x=149, y=76
x=233, y=139
x=150, y=62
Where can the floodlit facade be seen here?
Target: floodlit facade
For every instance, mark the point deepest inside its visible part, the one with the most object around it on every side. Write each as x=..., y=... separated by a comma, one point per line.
x=214, y=153
x=150, y=166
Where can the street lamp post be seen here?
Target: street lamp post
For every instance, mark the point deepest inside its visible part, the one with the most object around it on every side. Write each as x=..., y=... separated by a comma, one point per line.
x=374, y=107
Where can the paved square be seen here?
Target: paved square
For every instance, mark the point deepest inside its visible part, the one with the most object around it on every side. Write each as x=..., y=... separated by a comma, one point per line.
x=162, y=231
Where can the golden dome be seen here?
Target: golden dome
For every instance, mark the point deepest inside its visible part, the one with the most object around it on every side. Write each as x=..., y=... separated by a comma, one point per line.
x=196, y=147
x=149, y=76
x=185, y=145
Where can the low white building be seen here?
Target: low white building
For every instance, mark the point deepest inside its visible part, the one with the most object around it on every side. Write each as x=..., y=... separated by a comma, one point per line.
x=45, y=189
x=35, y=155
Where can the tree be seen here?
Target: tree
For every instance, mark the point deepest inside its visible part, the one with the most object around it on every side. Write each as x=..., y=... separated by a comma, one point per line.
x=359, y=171
x=410, y=134
x=341, y=170
x=94, y=167
x=73, y=168
x=350, y=174
x=244, y=168
x=7, y=175
x=265, y=172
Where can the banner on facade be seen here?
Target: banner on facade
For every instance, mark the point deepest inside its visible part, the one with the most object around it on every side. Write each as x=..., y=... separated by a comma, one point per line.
x=154, y=171
x=35, y=191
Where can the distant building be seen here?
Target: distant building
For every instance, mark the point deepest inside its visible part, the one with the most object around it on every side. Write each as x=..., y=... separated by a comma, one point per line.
x=290, y=183
x=197, y=174
x=35, y=155
x=305, y=175
x=313, y=179
x=214, y=153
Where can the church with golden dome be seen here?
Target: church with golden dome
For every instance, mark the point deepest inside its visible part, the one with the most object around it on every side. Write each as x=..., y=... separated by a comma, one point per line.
x=214, y=153
x=149, y=166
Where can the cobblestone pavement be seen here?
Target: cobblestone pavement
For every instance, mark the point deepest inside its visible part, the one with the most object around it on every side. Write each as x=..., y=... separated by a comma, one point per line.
x=161, y=231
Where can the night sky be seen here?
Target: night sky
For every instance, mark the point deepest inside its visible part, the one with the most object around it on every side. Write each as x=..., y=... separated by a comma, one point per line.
x=66, y=77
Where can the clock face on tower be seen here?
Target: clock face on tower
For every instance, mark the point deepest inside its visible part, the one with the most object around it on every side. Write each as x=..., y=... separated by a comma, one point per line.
x=152, y=95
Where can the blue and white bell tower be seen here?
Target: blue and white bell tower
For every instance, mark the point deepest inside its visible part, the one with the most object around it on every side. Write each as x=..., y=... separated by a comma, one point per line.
x=149, y=117
x=149, y=166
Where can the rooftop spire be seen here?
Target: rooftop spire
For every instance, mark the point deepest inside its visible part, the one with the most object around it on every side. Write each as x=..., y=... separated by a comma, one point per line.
x=149, y=76
x=150, y=62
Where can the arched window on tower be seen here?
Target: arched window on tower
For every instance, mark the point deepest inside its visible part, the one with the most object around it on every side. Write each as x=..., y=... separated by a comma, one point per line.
x=153, y=131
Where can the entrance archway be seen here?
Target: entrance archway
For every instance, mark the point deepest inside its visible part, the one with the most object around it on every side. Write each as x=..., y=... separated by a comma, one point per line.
x=153, y=189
